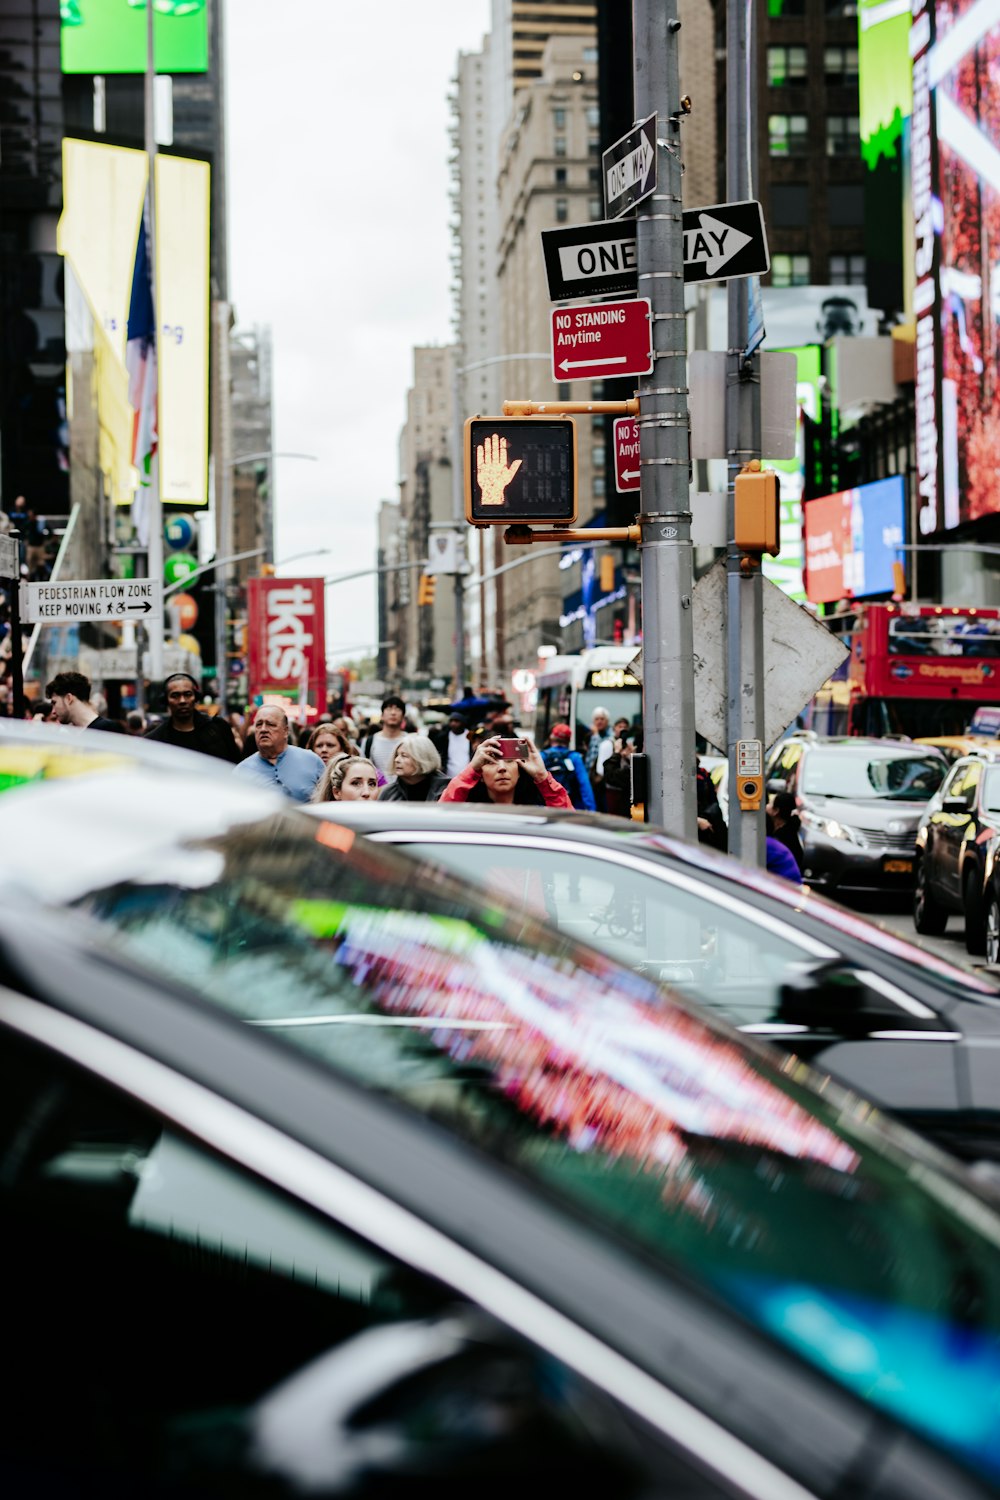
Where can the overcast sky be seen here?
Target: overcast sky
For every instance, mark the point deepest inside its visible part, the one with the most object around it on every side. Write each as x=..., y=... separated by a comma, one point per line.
x=338, y=239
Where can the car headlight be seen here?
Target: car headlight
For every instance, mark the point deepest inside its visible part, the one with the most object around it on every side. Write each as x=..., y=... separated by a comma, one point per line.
x=839, y=832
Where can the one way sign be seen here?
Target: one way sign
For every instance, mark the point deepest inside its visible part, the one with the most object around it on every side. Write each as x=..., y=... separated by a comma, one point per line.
x=725, y=242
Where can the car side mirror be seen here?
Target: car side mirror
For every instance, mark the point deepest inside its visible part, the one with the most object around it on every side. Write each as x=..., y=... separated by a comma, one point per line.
x=831, y=996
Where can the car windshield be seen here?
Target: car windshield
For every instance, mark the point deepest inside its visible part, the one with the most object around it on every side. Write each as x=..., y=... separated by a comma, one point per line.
x=662, y=1129
x=876, y=774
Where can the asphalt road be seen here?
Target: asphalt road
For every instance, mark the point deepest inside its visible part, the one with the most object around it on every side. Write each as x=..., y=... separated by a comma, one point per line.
x=897, y=912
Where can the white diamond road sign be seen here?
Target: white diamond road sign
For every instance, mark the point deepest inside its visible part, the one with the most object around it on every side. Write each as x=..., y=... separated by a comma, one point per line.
x=629, y=168
x=91, y=599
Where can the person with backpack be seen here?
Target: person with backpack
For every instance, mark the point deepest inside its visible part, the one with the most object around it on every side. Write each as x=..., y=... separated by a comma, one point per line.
x=380, y=744
x=567, y=767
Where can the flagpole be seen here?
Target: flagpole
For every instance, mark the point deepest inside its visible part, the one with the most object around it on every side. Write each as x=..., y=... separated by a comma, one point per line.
x=154, y=551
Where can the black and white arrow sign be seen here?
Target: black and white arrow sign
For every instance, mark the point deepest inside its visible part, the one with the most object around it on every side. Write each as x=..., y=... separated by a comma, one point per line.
x=629, y=168
x=725, y=242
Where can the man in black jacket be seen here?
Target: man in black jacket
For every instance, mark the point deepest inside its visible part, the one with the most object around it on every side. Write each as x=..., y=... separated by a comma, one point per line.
x=187, y=728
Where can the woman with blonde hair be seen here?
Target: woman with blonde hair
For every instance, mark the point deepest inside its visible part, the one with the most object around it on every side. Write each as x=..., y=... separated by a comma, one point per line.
x=347, y=778
x=416, y=766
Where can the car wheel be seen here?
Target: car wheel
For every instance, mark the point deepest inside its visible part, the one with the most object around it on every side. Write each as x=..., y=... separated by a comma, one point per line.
x=975, y=916
x=929, y=918
x=993, y=931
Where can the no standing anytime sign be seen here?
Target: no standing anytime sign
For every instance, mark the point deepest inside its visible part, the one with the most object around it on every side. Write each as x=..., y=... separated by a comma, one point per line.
x=595, y=340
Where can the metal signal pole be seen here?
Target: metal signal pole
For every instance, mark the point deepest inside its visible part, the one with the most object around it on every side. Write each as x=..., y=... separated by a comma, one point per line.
x=665, y=518
x=744, y=588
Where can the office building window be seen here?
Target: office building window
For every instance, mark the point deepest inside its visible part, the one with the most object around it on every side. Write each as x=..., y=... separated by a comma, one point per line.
x=845, y=205
x=559, y=119
x=593, y=116
x=781, y=10
x=787, y=135
x=599, y=487
x=597, y=455
x=562, y=210
x=594, y=146
x=562, y=390
x=843, y=135
x=789, y=270
x=596, y=208
x=560, y=145
x=847, y=270
x=790, y=205
x=840, y=67
x=560, y=176
x=786, y=66
x=594, y=176
x=590, y=54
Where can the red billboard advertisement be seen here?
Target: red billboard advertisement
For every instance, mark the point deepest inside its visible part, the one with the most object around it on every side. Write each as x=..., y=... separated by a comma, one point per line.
x=956, y=208
x=852, y=539
x=286, y=639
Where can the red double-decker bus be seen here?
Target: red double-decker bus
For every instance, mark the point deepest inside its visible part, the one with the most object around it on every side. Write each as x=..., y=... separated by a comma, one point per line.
x=914, y=669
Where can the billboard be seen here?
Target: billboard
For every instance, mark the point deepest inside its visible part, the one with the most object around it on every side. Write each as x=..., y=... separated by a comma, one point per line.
x=286, y=639
x=885, y=99
x=956, y=208
x=182, y=317
x=852, y=539
x=109, y=36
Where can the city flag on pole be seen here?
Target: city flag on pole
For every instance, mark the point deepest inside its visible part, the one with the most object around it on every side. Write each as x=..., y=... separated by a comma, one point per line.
x=140, y=362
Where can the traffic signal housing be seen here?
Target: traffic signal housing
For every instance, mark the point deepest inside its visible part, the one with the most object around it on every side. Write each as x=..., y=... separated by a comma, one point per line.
x=520, y=470
x=757, y=527
x=606, y=568
x=425, y=588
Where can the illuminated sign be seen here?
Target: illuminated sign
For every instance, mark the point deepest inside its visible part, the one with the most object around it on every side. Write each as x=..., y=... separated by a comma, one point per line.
x=852, y=539
x=109, y=36
x=612, y=677
x=520, y=470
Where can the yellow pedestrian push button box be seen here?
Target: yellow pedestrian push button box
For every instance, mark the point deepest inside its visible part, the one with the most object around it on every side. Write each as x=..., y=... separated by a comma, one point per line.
x=757, y=528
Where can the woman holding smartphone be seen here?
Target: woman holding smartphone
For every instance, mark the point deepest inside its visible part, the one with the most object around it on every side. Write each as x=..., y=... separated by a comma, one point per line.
x=507, y=771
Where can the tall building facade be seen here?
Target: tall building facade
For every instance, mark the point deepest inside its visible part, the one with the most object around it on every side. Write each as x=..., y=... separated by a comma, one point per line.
x=422, y=635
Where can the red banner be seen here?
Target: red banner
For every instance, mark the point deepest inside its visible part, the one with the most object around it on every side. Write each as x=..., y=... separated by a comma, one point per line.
x=286, y=639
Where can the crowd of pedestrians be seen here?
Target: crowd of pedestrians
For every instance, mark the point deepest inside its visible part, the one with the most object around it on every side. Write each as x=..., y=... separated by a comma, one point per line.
x=462, y=759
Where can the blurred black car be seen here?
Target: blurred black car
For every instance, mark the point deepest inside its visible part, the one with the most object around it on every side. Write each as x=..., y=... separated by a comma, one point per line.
x=323, y=1175
x=916, y=1035
x=952, y=839
x=860, y=802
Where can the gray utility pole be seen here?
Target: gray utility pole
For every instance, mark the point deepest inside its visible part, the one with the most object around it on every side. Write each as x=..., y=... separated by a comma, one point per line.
x=665, y=517
x=744, y=589
x=154, y=552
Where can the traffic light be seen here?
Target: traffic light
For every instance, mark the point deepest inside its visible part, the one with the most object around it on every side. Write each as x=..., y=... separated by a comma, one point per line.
x=267, y=570
x=898, y=581
x=425, y=588
x=520, y=470
x=607, y=572
x=756, y=510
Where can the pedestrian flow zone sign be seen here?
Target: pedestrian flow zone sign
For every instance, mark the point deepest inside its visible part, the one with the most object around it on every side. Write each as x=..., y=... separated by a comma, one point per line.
x=520, y=470
x=91, y=599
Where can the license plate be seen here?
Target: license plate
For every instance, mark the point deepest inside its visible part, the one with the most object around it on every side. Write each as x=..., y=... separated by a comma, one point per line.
x=898, y=867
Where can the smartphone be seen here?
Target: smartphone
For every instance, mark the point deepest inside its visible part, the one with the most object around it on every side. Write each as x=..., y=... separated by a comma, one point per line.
x=512, y=749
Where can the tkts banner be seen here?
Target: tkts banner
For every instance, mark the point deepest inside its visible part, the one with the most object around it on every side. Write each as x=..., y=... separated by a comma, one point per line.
x=286, y=639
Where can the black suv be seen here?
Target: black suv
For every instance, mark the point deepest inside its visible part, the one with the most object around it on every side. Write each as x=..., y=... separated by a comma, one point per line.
x=952, y=840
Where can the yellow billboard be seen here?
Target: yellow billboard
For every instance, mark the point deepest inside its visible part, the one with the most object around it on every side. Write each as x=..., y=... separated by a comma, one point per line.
x=183, y=216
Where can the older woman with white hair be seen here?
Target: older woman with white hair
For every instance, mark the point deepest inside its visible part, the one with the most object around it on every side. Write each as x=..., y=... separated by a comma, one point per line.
x=416, y=766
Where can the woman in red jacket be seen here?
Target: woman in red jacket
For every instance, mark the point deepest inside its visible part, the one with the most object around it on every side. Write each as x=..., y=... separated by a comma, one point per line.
x=489, y=777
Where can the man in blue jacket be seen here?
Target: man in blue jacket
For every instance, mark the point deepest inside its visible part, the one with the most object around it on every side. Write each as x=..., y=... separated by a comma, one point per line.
x=567, y=767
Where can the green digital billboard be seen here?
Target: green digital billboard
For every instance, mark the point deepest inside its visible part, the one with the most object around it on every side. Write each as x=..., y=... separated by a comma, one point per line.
x=109, y=36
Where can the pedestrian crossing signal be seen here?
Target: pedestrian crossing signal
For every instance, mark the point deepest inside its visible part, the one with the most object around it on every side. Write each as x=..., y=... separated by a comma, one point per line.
x=520, y=470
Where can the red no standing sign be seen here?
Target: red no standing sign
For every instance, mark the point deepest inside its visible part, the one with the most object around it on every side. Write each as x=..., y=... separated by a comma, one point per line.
x=596, y=340
x=626, y=454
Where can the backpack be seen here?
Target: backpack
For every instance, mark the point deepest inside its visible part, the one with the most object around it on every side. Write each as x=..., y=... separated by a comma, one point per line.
x=562, y=769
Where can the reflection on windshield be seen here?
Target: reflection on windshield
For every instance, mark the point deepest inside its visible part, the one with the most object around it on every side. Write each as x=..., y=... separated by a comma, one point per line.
x=659, y=1128
x=912, y=778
